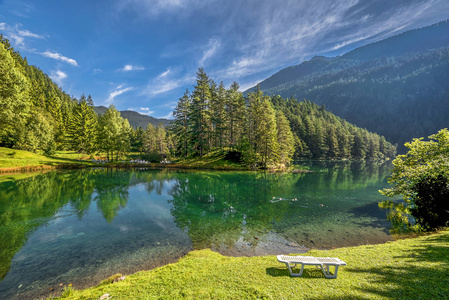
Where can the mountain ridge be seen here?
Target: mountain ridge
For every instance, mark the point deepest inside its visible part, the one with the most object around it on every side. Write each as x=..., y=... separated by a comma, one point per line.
x=397, y=87
x=135, y=119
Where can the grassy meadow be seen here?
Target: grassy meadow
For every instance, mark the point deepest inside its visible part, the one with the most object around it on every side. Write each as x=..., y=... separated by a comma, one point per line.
x=415, y=268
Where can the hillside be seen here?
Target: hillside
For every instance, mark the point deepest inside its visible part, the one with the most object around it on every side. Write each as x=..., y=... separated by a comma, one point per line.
x=397, y=87
x=134, y=118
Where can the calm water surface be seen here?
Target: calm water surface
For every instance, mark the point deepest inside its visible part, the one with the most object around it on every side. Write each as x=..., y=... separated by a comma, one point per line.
x=82, y=226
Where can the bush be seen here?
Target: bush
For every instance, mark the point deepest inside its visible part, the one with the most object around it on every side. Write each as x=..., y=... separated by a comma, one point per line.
x=430, y=206
x=153, y=157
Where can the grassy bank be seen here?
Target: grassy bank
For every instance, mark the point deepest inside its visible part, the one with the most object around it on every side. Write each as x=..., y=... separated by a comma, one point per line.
x=414, y=268
x=12, y=160
x=19, y=160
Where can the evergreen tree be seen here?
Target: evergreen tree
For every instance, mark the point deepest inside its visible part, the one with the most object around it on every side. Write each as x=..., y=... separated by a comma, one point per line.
x=83, y=127
x=124, y=138
x=110, y=132
x=358, y=146
x=181, y=124
x=14, y=99
x=235, y=109
x=149, y=142
x=200, y=114
x=137, y=140
x=285, y=139
x=261, y=128
x=161, y=139
x=219, y=118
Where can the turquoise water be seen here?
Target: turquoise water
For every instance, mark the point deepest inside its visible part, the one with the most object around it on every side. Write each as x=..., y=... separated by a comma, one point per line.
x=82, y=226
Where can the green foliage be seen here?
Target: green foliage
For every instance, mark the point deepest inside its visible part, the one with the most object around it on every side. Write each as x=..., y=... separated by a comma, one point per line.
x=261, y=130
x=423, y=160
x=431, y=203
x=15, y=103
x=114, y=133
x=200, y=114
x=421, y=177
x=268, y=132
x=82, y=129
x=399, y=216
x=319, y=134
x=34, y=112
x=181, y=124
x=152, y=156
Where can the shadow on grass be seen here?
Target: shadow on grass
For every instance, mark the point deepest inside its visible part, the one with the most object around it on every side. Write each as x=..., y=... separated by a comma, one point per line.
x=65, y=160
x=417, y=277
x=309, y=272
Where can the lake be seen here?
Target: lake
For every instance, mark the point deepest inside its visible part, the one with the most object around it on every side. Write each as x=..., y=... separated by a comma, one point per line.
x=83, y=226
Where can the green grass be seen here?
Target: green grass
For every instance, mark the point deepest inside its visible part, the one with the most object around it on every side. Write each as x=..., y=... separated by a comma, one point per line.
x=24, y=160
x=416, y=268
x=13, y=158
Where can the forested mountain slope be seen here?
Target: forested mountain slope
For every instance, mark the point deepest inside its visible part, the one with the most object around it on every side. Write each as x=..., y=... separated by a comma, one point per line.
x=135, y=119
x=397, y=87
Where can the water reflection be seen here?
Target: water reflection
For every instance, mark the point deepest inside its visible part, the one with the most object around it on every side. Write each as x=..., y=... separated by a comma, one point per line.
x=84, y=225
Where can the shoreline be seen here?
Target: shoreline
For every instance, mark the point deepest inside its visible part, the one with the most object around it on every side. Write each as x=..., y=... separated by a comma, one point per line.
x=199, y=271
x=27, y=169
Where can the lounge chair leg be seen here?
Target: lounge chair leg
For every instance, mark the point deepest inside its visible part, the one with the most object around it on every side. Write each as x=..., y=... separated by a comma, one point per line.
x=328, y=274
x=291, y=271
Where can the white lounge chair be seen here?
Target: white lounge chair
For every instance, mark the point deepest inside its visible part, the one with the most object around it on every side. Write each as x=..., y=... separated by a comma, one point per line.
x=323, y=262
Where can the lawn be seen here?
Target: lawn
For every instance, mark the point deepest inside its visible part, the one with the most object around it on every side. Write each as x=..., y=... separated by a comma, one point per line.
x=22, y=160
x=415, y=268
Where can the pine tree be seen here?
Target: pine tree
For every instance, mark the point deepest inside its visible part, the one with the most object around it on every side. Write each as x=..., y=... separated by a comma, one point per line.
x=110, y=132
x=219, y=117
x=200, y=114
x=181, y=124
x=161, y=142
x=235, y=109
x=261, y=131
x=83, y=127
x=285, y=139
x=14, y=99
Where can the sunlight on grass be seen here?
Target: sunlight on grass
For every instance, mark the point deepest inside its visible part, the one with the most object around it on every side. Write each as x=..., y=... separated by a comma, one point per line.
x=23, y=160
x=403, y=269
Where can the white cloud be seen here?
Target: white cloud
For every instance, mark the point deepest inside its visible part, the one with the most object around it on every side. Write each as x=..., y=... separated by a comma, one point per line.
x=60, y=57
x=250, y=84
x=153, y=8
x=164, y=74
x=142, y=110
x=117, y=92
x=169, y=116
x=26, y=33
x=212, y=47
x=17, y=35
x=164, y=87
x=165, y=82
x=128, y=68
x=58, y=76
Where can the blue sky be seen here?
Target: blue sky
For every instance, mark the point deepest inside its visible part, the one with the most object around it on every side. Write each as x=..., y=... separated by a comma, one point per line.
x=142, y=55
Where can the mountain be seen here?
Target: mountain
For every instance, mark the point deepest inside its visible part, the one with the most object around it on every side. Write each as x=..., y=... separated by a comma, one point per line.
x=134, y=118
x=397, y=87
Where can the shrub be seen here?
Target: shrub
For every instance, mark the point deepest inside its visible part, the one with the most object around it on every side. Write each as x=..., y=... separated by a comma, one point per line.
x=430, y=205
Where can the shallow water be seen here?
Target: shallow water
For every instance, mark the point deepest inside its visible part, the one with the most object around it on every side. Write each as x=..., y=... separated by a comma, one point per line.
x=82, y=226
